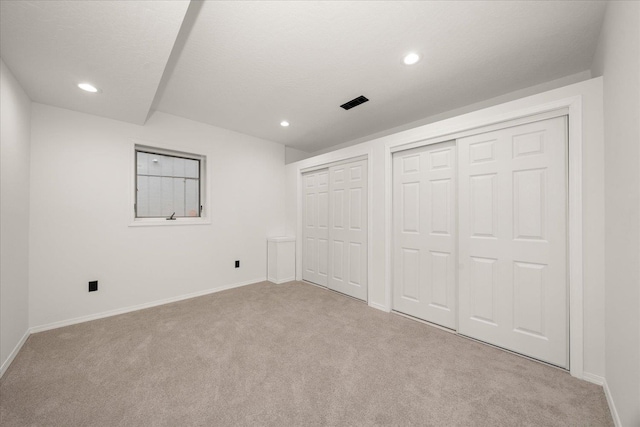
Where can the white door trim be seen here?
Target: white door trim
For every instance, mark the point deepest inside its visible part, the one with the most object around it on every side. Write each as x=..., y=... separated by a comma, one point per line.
x=575, y=267
x=327, y=165
x=455, y=135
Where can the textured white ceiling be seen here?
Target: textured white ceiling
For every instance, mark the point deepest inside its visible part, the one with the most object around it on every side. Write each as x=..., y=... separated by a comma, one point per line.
x=246, y=66
x=120, y=46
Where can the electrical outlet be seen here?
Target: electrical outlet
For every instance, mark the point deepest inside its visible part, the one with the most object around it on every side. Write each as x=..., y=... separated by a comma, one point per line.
x=238, y=264
x=93, y=286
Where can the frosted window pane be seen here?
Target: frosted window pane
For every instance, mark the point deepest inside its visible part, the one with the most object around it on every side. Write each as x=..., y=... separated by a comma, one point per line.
x=167, y=185
x=166, y=165
x=191, y=197
x=143, y=163
x=191, y=168
x=178, y=166
x=178, y=196
x=167, y=196
x=143, y=196
x=155, y=167
x=155, y=196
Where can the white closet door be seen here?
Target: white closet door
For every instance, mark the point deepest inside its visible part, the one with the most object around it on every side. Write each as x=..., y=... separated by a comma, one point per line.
x=424, y=259
x=512, y=228
x=348, y=229
x=315, y=232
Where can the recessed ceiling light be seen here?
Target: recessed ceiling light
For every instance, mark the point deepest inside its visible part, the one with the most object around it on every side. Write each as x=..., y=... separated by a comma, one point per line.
x=284, y=123
x=411, y=58
x=88, y=87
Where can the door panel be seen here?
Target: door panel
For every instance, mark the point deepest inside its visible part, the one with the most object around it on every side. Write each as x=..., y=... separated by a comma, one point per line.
x=424, y=259
x=348, y=229
x=512, y=239
x=316, y=230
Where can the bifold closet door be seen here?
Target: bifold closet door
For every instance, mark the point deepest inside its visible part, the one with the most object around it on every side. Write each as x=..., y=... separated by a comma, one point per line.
x=513, y=239
x=315, y=231
x=348, y=229
x=424, y=233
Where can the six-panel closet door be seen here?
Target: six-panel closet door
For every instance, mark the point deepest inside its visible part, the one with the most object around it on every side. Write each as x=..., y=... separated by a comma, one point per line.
x=424, y=233
x=315, y=231
x=348, y=217
x=479, y=235
x=484, y=233
x=513, y=239
x=335, y=216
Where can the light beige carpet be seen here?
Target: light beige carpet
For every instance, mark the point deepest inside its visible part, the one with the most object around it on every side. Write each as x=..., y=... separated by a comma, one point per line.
x=281, y=355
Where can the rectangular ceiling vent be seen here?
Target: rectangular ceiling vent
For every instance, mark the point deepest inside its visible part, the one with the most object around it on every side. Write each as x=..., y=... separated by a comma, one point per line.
x=354, y=102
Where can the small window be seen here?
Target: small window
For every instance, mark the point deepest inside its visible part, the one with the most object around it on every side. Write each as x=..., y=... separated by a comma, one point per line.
x=168, y=184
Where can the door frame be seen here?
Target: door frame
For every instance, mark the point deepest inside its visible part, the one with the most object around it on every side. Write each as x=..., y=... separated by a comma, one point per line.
x=571, y=107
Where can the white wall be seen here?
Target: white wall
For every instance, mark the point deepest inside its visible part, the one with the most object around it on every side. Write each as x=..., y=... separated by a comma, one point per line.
x=501, y=99
x=81, y=209
x=293, y=155
x=15, y=124
x=592, y=197
x=617, y=59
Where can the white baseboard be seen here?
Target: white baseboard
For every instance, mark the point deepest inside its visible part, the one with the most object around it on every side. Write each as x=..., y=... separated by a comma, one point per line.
x=593, y=378
x=612, y=405
x=118, y=311
x=379, y=306
x=14, y=353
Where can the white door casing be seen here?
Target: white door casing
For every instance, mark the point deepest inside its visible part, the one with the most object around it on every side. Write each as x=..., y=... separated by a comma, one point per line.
x=513, y=239
x=315, y=231
x=424, y=233
x=348, y=229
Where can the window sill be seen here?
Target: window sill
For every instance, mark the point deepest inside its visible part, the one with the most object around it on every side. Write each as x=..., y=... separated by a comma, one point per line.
x=162, y=222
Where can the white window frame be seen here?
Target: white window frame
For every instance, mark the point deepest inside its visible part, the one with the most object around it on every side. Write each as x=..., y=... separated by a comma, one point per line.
x=136, y=221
